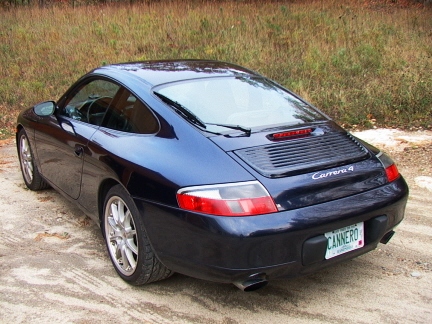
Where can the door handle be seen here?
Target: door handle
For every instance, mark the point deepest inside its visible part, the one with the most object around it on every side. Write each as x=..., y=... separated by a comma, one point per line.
x=79, y=150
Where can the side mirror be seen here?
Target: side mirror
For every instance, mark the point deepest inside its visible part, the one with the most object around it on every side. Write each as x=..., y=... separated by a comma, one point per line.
x=44, y=109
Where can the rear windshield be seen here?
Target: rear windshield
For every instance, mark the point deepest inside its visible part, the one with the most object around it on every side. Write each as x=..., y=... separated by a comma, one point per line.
x=248, y=102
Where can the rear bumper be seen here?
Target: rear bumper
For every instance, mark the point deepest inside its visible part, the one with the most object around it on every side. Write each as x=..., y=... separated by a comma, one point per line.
x=283, y=244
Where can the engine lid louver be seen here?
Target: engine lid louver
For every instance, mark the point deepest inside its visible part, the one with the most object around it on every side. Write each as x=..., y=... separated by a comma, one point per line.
x=303, y=154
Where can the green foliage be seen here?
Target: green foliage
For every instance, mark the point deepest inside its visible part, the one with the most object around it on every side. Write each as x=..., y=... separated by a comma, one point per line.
x=358, y=65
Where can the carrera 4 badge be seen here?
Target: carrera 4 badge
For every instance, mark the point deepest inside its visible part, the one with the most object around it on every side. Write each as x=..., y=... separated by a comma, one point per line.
x=321, y=175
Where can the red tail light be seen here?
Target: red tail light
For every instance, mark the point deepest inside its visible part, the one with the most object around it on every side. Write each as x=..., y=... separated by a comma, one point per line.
x=238, y=199
x=392, y=172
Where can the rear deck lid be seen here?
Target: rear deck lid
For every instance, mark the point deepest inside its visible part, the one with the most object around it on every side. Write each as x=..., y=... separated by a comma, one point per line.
x=302, y=155
x=314, y=167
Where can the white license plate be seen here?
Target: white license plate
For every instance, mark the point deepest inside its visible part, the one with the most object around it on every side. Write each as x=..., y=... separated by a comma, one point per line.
x=344, y=240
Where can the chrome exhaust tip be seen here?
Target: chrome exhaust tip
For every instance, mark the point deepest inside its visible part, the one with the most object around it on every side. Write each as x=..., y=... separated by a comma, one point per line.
x=252, y=283
x=386, y=238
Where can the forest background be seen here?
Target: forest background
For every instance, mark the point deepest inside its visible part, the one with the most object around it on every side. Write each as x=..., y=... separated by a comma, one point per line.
x=365, y=63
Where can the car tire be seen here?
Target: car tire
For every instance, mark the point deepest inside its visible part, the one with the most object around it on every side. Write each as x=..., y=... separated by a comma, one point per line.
x=128, y=245
x=29, y=170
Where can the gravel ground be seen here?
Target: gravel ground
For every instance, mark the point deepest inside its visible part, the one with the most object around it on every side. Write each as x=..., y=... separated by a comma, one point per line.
x=54, y=267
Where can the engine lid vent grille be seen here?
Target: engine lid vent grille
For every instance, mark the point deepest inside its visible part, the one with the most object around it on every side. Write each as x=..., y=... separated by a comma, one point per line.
x=303, y=154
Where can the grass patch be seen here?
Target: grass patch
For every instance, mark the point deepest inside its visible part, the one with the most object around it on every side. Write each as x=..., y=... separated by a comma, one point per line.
x=362, y=65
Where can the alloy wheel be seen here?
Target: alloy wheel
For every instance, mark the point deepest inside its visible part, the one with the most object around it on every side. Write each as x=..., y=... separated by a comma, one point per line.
x=121, y=236
x=26, y=159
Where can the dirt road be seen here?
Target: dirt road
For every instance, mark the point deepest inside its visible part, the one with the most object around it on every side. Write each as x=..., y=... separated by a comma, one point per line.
x=54, y=267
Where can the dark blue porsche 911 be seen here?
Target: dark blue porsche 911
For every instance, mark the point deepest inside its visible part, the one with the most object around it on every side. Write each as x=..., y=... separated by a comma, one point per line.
x=211, y=170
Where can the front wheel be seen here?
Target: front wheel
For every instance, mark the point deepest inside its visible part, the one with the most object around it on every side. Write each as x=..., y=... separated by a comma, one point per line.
x=29, y=170
x=128, y=246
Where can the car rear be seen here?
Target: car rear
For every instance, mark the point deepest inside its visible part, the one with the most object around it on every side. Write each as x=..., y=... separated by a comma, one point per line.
x=316, y=195
x=335, y=198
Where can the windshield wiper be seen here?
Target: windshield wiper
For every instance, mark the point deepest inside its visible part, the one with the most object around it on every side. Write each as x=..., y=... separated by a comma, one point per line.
x=182, y=110
x=246, y=130
x=189, y=115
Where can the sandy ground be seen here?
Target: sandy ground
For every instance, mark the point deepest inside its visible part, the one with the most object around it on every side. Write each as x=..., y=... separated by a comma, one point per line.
x=54, y=267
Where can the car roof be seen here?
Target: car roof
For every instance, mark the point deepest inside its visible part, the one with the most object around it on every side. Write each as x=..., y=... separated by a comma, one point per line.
x=166, y=71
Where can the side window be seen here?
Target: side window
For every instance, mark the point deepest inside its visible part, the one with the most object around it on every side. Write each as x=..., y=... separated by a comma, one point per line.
x=90, y=102
x=128, y=114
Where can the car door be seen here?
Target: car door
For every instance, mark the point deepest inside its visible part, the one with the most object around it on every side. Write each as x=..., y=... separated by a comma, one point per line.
x=62, y=141
x=128, y=123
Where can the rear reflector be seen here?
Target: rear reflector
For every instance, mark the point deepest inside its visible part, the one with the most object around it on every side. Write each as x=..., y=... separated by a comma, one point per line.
x=236, y=199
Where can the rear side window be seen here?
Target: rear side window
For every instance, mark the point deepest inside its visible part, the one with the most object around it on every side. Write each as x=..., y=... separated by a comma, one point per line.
x=127, y=113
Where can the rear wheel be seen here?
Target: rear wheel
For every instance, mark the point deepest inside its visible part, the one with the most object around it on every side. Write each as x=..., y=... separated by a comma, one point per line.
x=30, y=173
x=128, y=246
